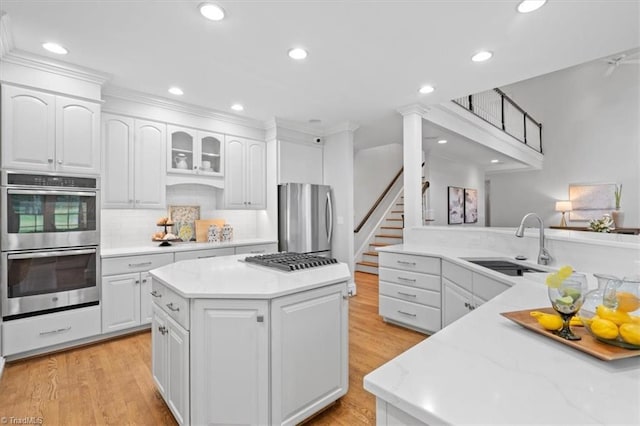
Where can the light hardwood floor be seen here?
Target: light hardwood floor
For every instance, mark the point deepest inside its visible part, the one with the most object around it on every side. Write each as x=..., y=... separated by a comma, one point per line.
x=111, y=383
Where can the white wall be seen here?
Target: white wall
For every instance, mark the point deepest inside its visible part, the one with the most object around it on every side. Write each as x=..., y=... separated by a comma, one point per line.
x=134, y=227
x=300, y=162
x=338, y=173
x=372, y=171
x=442, y=173
x=591, y=134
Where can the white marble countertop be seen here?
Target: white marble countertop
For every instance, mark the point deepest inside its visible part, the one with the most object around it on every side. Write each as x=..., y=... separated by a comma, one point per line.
x=153, y=247
x=229, y=277
x=485, y=369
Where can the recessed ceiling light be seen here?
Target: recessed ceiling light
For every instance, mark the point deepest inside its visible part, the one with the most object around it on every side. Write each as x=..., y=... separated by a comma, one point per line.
x=297, y=53
x=237, y=107
x=426, y=89
x=527, y=6
x=55, y=48
x=442, y=141
x=176, y=91
x=482, y=56
x=212, y=11
x=495, y=161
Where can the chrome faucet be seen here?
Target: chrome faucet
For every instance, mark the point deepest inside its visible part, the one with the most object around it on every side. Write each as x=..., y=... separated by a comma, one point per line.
x=543, y=256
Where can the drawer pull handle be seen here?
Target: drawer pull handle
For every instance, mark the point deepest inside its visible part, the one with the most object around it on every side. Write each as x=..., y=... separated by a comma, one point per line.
x=162, y=330
x=58, y=330
x=137, y=265
x=407, y=294
x=155, y=293
x=404, y=262
x=257, y=251
x=406, y=313
x=407, y=279
x=206, y=257
x=172, y=308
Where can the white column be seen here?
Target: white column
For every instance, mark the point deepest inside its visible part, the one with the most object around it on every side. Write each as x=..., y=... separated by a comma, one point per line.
x=412, y=154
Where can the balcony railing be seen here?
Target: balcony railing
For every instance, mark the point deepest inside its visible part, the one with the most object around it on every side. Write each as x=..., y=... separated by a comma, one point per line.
x=498, y=109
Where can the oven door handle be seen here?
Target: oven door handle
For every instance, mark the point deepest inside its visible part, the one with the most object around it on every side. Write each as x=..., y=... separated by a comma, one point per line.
x=50, y=192
x=31, y=255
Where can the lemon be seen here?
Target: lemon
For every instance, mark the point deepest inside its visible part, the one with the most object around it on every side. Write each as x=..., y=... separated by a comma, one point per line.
x=576, y=321
x=547, y=321
x=555, y=280
x=615, y=316
x=627, y=302
x=630, y=333
x=604, y=328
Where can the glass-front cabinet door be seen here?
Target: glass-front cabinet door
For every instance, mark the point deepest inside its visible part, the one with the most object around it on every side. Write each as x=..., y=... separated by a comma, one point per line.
x=195, y=152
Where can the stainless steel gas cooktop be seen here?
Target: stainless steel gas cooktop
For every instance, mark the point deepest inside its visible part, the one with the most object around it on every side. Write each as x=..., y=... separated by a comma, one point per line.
x=290, y=261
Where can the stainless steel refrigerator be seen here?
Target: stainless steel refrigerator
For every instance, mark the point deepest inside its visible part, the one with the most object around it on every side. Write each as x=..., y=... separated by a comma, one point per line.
x=305, y=218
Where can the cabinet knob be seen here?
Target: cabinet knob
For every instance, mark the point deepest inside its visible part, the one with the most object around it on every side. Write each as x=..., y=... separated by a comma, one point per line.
x=260, y=318
x=249, y=203
x=137, y=281
x=195, y=167
x=50, y=160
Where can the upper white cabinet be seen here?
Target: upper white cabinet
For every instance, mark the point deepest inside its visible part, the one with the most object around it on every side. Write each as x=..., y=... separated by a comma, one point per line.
x=194, y=152
x=45, y=132
x=245, y=165
x=133, y=171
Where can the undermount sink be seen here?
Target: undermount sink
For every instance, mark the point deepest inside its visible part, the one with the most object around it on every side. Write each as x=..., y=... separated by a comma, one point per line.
x=505, y=267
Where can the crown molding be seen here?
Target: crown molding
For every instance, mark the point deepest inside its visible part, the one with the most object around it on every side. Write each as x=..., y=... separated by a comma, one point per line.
x=164, y=103
x=6, y=35
x=65, y=69
x=347, y=126
x=413, y=109
x=276, y=122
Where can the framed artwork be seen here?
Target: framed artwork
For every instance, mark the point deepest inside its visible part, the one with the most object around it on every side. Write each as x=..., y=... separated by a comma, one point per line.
x=455, y=201
x=591, y=201
x=184, y=218
x=470, y=205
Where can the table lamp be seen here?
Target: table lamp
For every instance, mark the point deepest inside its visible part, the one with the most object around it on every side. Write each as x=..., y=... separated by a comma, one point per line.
x=563, y=206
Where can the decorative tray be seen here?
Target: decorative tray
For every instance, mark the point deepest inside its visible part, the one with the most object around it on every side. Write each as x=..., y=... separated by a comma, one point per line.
x=588, y=344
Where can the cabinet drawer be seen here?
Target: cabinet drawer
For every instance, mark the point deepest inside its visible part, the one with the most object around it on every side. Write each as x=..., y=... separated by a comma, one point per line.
x=410, y=294
x=414, y=279
x=413, y=314
x=487, y=288
x=51, y=329
x=204, y=254
x=257, y=249
x=408, y=262
x=142, y=263
x=176, y=306
x=457, y=274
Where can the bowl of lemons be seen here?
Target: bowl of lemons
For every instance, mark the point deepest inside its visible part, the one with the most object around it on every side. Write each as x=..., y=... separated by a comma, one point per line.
x=611, y=314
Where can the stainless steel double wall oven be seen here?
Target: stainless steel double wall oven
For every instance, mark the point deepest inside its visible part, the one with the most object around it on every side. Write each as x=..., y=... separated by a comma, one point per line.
x=49, y=242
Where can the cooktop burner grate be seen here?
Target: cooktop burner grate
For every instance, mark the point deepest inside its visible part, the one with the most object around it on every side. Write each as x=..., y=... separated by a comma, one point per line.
x=290, y=261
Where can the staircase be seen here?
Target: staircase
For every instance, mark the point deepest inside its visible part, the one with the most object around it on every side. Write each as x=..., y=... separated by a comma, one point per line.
x=388, y=233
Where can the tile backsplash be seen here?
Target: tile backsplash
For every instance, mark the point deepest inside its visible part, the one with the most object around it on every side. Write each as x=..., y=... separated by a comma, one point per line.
x=134, y=227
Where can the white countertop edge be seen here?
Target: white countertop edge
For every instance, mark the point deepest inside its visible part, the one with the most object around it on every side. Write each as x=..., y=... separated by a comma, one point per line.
x=154, y=247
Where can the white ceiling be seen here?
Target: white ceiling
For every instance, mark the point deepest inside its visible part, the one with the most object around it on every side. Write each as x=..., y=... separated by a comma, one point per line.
x=366, y=58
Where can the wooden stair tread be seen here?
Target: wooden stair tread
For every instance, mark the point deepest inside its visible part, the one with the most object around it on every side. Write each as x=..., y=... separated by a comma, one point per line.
x=366, y=263
x=399, y=204
x=397, y=211
x=391, y=227
x=379, y=244
x=395, y=220
x=388, y=236
x=371, y=253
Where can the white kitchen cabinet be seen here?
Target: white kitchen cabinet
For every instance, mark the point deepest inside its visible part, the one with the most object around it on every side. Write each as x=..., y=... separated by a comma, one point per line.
x=410, y=291
x=465, y=290
x=193, y=151
x=45, y=132
x=203, y=254
x=133, y=163
x=309, y=350
x=245, y=176
x=170, y=363
x=230, y=362
x=126, y=290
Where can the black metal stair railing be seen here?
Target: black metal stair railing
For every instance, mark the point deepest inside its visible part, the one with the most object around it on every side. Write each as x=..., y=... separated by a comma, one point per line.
x=498, y=109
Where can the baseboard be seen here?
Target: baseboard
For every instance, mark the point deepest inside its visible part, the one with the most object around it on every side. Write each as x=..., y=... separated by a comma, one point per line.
x=352, y=289
x=1, y=366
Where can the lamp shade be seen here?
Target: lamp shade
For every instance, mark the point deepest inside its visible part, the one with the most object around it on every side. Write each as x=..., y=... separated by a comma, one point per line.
x=563, y=206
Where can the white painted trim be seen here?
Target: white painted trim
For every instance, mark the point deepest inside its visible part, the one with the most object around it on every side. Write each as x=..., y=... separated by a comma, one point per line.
x=347, y=126
x=276, y=122
x=167, y=104
x=6, y=35
x=26, y=59
x=413, y=109
x=1, y=366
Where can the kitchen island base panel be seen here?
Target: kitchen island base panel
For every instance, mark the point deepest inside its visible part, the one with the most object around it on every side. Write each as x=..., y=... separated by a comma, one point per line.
x=388, y=415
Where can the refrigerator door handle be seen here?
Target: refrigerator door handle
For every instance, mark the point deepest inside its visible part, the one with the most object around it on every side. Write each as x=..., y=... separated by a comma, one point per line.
x=329, y=207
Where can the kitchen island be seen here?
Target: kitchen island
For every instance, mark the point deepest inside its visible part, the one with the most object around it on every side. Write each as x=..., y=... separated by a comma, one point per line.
x=485, y=369
x=238, y=343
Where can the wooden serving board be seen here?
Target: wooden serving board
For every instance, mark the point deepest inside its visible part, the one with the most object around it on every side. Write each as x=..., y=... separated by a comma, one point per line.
x=588, y=343
x=202, y=228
